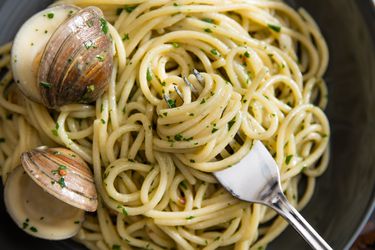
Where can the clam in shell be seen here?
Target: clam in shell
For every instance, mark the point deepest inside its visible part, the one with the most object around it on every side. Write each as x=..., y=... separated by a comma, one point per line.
x=63, y=174
x=63, y=55
x=78, y=59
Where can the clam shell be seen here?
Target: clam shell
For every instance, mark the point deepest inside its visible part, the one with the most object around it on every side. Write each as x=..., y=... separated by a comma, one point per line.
x=77, y=61
x=63, y=174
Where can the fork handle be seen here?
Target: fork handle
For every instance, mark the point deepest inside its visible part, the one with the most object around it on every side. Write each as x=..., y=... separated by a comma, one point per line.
x=285, y=209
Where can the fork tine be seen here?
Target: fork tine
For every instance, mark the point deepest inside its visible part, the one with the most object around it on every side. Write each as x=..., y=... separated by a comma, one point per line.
x=192, y=88
x=178, y=92
x=198, y=76
x=168, y=100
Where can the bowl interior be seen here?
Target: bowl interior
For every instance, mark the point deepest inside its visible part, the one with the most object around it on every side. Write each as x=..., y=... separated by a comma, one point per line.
x=345, y=193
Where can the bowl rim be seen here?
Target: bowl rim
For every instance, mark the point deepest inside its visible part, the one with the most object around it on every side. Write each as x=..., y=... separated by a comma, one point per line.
x=367, y=9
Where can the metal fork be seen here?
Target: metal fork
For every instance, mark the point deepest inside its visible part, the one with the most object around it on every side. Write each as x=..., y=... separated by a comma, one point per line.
x=256, y=179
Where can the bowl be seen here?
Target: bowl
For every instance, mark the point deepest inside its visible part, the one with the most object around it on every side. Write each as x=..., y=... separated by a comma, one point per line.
x=344, y=195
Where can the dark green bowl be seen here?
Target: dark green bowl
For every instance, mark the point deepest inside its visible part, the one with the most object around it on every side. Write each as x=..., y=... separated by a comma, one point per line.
x=344, y=196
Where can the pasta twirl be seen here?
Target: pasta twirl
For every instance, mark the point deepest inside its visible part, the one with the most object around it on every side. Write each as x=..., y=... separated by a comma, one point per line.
x=262, y=64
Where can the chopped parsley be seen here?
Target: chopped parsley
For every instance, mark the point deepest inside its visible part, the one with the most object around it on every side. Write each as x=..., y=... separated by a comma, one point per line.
x=203, y=101
x=123, y=210
x=125, y=37
x=288, y=159
x=214, y=52
x=208, y=30
x=178, y=137
x=103, y=25
x=175, y=45
x=90, y=88
x=190, y=217
x=50, y=15
x=231, y=122
x=130, y=9
x=45, y=85
x=148, y=75
x=246, y=54
x=77, y=222
x=61, y=182
x=103, y=121
x=171, y=103
x=207, y=20
x=214, y=130
x=274, y=27
x=2, y=140
x=33, y=229
x=192, y=161
x=89, y=44
x=100, y=58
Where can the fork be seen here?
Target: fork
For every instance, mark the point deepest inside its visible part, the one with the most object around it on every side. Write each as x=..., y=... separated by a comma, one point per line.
x=256, y=179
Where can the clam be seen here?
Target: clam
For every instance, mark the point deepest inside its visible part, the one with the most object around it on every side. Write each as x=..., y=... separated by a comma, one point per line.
x=48, y=195
x=63, y=55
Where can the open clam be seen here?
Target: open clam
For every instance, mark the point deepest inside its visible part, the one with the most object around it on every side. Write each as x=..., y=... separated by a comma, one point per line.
x=63, y=55
x=48, y=195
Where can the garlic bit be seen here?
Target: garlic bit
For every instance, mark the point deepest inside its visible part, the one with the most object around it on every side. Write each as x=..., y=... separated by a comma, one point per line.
x=48, y=195
x=63, y=55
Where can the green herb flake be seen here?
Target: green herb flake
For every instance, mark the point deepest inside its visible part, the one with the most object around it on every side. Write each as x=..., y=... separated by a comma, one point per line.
x=124, y=212
x=231, y=122
x=130, y=9
x=246, y=54
x=163, y=83
x=191, y=114
x=62, y=167
x=103, y=25
x=208, y=30
x=2, y=140
x=214, y=52
x=175, y=45
x=90, y=88
x=171, y=103
x=288, y=159
x=207, y=20
x=178, y=137
x=116, y=247
x=125, y=37
x=77, y=222
x=176, y=4
x=203, y=101
x=33, y=229
x=303, y=169
x=45, y=85
x=103, y=121
x=274, y=27
x=217, y=238
x=100, y=58
x=214, y=130
x=192, y=161
x=50, y=15
x=89, y=44
x=190, y=217
x=54, y=132
x=61, y=182
x=148, y=75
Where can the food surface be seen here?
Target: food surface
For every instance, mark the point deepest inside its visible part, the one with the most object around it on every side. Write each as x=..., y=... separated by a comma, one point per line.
x=157, y=133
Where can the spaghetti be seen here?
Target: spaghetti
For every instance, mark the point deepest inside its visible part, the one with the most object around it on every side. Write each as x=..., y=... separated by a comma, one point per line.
x=262, y=64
